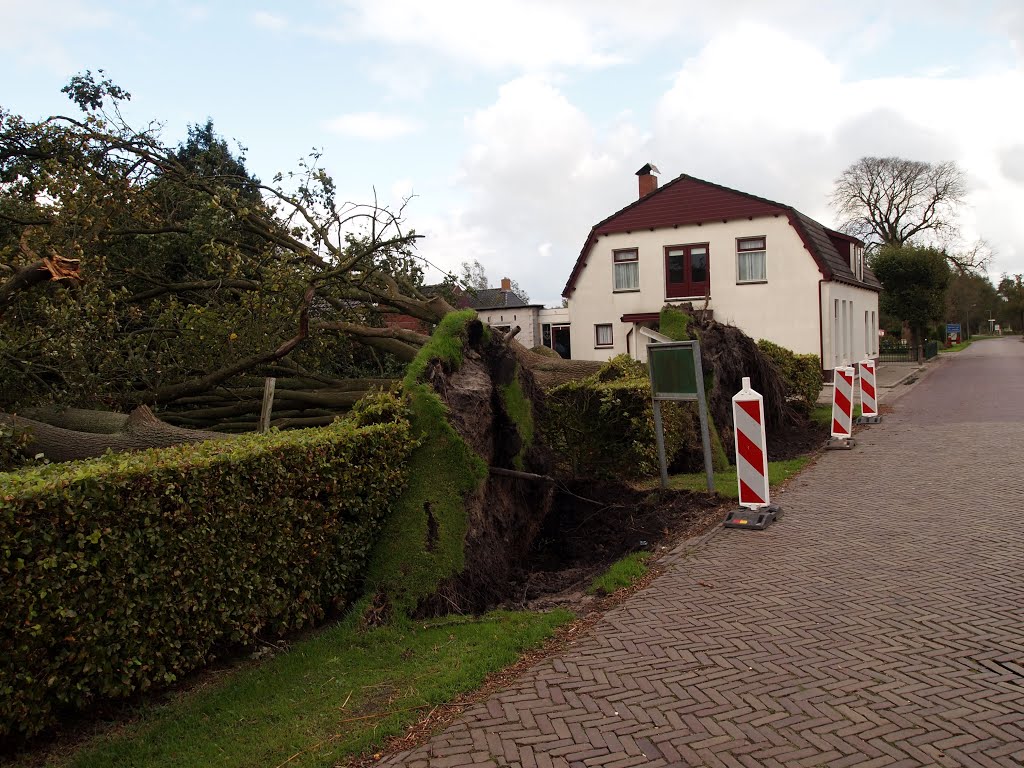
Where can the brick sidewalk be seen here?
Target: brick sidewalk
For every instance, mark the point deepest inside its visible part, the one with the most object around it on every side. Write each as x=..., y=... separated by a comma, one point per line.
x=881, y=623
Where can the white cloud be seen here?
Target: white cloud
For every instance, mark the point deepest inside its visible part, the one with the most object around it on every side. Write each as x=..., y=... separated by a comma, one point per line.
x=268, y=20
x=523, y=34
x=39, y=33
x=371, y=125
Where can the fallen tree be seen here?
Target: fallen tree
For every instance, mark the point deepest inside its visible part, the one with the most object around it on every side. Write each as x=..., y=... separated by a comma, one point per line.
x=141, y=430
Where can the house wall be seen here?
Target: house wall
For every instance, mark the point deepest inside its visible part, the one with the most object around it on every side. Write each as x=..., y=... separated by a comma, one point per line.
x=524, y=317
x=783, y=309
x=850, y=335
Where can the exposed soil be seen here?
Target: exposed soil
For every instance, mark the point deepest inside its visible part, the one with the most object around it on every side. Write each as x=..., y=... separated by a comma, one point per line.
x=593, y=524
x=796, y=439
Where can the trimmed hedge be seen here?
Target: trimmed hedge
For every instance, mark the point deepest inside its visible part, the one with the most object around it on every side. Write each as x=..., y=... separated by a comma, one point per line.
x=801, y=373
x=603, y=425
x=125, y=572
x=12, y=447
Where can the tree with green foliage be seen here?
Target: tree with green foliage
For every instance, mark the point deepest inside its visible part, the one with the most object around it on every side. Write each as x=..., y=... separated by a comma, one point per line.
x=971, y=298
x=133, y=272
x=1011, y=291
x=914, y=280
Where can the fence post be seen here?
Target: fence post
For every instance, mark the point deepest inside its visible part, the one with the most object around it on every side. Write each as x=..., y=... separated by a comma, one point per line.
x=756, y=510
x=268, y=404
x=842, y=409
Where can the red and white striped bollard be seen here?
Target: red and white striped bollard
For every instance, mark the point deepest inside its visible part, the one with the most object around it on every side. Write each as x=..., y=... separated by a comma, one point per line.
x=842, y=408
x=868, y=393
x=756, y=510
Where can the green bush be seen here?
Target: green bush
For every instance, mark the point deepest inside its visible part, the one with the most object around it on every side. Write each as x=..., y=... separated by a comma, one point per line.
x=603, y=425
x=12, y=447
x=802, y=373
x=124, y=572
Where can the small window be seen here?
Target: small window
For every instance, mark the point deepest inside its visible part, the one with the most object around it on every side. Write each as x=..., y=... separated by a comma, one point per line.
x=603, y=335
x=750, y=260
x=858, y=262
x=627, y=270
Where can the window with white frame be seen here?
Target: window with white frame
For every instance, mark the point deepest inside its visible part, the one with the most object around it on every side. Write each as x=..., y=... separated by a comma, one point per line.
x=627, y=270
x=603, y=335
x=750, y=260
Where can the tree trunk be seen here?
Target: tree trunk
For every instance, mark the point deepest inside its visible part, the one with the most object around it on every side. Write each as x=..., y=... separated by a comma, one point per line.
x=79, y=419
x=142, y=430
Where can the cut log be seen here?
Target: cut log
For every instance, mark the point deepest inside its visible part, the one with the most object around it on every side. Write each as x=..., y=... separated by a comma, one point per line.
x=142, y=430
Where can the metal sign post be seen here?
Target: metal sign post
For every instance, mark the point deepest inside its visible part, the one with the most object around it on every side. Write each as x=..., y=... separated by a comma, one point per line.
x=677, y=374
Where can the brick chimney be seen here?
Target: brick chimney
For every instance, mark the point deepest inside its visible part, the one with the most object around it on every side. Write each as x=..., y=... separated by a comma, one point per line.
x=648, y=181
x=506, y=284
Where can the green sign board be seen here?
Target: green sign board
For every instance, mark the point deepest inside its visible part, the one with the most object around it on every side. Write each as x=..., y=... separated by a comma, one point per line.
x=676, y=374
x=673, y=371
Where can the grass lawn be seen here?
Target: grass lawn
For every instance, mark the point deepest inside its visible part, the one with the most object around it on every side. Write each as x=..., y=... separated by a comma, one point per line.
x=822, y=414
x=331, y=696
x=624, y=573
x=725, y=480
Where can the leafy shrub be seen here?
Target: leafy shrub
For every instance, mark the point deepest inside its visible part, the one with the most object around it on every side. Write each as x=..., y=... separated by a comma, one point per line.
x=603, y=425
x=124, y=572
x=892, y=344
x=12, y=447
x=801, y=373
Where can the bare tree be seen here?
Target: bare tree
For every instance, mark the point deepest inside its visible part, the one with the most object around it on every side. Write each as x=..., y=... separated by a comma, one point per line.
x=893, y=201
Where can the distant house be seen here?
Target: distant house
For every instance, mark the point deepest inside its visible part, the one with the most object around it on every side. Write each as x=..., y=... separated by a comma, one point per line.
x=501, y=308
x=504, y=309
x=752, y=262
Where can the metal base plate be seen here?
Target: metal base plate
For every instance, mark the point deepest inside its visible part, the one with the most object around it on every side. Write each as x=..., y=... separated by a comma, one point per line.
x=840, y=443
x=753, y=519
x=869, y=419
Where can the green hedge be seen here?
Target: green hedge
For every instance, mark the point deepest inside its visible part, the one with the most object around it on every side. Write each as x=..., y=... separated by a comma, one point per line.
x=603, y=425
x=12, y=447
x=125, y=572
x=802, y=373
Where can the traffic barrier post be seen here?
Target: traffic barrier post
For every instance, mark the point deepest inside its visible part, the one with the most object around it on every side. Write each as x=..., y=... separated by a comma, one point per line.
x=756, y=510
x=842, y=409
x=868, y=394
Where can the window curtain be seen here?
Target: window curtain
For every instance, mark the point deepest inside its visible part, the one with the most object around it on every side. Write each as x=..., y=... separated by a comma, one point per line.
x=751, y=266
x=627, y=275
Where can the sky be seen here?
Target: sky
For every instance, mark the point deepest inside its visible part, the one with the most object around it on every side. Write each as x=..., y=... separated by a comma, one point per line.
x=516, y=125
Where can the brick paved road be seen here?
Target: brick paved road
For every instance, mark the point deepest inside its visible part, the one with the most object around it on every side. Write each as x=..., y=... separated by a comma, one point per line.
x=881, y=623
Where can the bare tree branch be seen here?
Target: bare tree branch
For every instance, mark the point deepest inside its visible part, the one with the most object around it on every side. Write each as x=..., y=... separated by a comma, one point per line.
x=893, y=201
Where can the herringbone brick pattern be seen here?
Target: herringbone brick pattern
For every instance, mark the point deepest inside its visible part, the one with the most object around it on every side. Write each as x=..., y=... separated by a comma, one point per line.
x=881, y=623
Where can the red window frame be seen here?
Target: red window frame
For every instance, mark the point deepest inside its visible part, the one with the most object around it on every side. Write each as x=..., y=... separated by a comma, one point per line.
x=688, y=288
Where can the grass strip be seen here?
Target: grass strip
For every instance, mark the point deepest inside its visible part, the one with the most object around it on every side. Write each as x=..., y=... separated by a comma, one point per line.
x=822, y=414
x=624, y=573
x=725, y=480
x=330, y=697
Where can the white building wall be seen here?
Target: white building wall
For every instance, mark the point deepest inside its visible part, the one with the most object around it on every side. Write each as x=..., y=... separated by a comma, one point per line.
x=850, y=316
x=524, y=317
x=784, y=309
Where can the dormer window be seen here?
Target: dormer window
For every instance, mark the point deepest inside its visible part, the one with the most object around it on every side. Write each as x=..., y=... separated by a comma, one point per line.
x=857, y=261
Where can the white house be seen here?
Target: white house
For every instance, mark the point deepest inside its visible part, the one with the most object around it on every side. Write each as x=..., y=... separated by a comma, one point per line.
x=754, y=263
x=504, y=309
